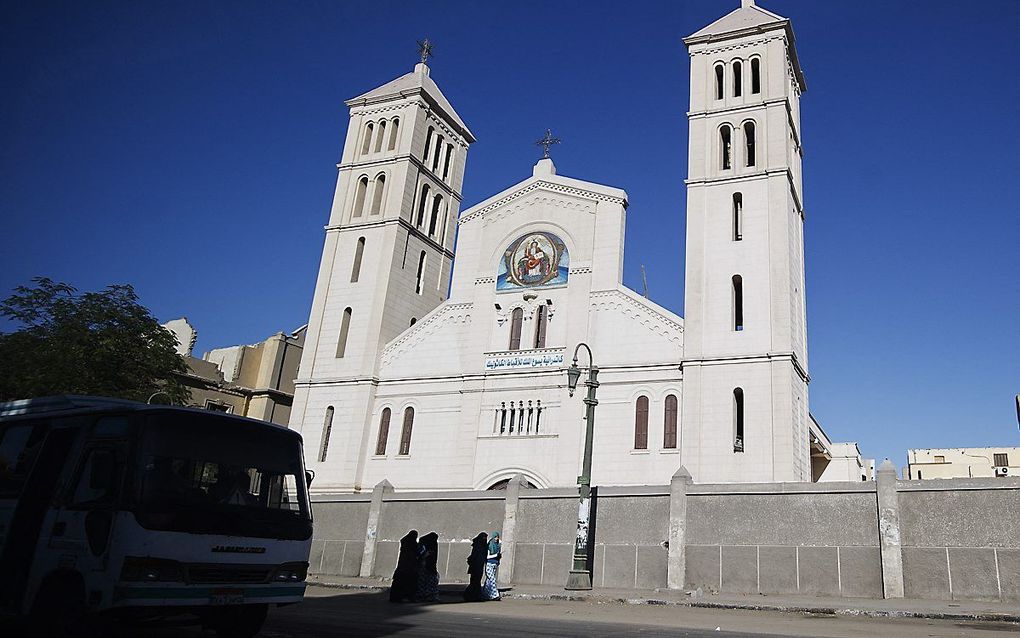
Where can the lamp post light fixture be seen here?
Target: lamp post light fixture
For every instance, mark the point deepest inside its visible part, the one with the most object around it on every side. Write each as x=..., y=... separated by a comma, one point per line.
x=580, y=573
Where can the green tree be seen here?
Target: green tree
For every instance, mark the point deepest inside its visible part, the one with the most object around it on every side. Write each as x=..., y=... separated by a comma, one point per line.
x=100, y=343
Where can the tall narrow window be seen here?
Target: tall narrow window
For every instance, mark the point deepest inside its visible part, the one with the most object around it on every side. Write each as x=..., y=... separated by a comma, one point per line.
x=428, y=145
x=445, y=226
x=421, y=273
x=384, y=432
x=738, y=72
x=423, y=205
x=405, y=432
x=749, y=141
x=541, y=319
x=394, y=127
x=755, y=75
x=359, y=252
x=513, y=417
x=380, y=137
x=327, y=428
x=641, y=423
x=502, y=418
x=669, y=423
x=738, y=303
x=516, y=319
x=447, y=161
x=538, y=415
x=738, y=216
x=437, y=154
x=345, y=328
x=726, y=145
x=437, y=203
x=738, y=420
x=719, y=72
x=360, y=191
x=366, y=144
x=377, y=196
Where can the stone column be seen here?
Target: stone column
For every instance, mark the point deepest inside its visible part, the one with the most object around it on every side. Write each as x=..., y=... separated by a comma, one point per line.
x=372, y=530
x=676, y=557
x=509, y=531
x=889, y=531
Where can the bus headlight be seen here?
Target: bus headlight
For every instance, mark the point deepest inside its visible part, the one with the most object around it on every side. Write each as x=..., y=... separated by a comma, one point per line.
x=291, y=573
x=148, y=569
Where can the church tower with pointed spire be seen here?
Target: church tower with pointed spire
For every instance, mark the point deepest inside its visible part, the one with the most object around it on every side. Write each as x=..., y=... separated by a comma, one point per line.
x=745, y=371
x=386, y=260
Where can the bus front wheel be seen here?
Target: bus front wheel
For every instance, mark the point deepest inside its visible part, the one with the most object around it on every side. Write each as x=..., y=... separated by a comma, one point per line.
x=239, y=621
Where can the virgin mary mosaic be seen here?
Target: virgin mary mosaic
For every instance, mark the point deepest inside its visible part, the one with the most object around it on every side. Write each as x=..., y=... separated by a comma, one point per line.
x=536, y=259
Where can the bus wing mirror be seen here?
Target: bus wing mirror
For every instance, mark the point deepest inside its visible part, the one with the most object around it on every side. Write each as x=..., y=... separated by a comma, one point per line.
x=309, y=477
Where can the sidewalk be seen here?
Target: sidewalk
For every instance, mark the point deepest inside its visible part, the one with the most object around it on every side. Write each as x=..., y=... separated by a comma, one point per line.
x=867, y=607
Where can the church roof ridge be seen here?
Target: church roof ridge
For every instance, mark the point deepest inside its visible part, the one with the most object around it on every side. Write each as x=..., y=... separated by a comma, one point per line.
x=748, y=16
x=417, y=81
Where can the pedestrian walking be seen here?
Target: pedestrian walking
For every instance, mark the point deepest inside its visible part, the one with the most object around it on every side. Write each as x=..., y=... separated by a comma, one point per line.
x=490, y=590
x=405, y=576
x=476, y=567
x=428, y=573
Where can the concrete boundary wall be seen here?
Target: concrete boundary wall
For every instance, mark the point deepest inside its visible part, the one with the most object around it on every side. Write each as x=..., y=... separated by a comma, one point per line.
x=951, y=539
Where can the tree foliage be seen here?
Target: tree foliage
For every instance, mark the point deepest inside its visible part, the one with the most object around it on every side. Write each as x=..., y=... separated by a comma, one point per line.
x=99, y=343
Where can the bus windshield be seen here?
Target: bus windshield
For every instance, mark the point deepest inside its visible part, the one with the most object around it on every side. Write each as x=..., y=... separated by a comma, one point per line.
x=207, y=474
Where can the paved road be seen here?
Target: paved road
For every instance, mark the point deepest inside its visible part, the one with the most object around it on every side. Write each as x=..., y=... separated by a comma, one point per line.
x=368, y=614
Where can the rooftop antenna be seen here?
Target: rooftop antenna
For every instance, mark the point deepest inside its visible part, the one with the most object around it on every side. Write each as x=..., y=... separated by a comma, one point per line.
x=644, y=280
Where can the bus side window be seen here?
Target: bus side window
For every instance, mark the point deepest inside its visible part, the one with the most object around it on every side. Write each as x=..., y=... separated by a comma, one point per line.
x=18, y=449
x=98, y=480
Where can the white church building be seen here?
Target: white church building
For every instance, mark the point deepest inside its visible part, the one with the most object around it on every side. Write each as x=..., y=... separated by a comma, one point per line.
x=433, y=382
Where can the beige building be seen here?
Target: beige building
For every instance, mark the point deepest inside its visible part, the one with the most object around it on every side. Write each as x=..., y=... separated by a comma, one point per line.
x=256, y=381
x=962, y=462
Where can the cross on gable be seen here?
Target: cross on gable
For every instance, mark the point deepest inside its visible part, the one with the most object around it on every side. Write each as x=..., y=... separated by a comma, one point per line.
x=547, y=141
x=425, y=49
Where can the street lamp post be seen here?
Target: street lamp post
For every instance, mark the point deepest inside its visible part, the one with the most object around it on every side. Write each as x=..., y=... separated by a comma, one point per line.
x=580, y=573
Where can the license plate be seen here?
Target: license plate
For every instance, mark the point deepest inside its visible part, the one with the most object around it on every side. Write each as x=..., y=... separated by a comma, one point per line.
x=227, y=597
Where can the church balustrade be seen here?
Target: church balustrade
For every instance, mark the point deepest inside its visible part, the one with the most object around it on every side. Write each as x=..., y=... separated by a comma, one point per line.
x=518, y=418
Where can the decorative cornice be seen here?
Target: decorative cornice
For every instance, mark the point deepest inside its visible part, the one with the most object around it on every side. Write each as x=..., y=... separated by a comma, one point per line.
x=551, y=186
x=749, y=358
x=738, y=45
x=649, y=317
x=400, y=221
x=445, y=314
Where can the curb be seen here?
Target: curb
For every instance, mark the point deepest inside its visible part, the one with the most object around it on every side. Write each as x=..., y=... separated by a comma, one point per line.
x=706, y=604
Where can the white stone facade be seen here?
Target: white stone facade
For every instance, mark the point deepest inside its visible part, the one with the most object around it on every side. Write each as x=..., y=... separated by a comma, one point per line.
x=539, y=270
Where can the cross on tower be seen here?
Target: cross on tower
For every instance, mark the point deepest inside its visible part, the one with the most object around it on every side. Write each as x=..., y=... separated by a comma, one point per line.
x=546, y=142
x=425, y=50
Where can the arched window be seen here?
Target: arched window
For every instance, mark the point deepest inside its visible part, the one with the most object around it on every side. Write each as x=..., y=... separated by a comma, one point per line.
x=447, y=161
x=359, y=252
x=738, y=303
x=428, y=145
x=738, y=70
x=380, y=137
x=541, y=319
x=345, y=328
x=366, y=144
x=755, y=75
x=437, y=154
x=641, y=423
x=502, y=418
x=516, y=319
x=421, y=273
x=377, y=196
x=726, y=145
x=437, y=203
x=738, y=216
x=423, y=204
x=384, y=433
x=395, y=126
x=738, y=420
x=445, y=225
x=405, y=432
x=719, y=73
x=749, y=142
x=360, y=191
x=669, y=423
x=327, y=428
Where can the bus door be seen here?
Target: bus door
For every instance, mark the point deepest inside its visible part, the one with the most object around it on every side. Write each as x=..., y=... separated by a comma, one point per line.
x=82, y=530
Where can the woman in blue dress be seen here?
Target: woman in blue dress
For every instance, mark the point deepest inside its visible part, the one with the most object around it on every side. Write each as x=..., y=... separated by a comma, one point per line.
x=490, y=589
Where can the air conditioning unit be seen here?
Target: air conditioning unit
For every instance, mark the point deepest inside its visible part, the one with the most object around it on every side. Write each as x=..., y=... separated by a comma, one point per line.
x=1002, y=470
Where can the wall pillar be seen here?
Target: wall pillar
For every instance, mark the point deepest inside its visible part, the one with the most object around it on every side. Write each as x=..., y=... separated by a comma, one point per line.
x=509, y=531
x=677, y=555
x=372, y=529
x=889, y=531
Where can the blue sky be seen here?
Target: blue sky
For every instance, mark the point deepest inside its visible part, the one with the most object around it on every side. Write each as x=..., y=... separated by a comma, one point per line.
x=189, y=148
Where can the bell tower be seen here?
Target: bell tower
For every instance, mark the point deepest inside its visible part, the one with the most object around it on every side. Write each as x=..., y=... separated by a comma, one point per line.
x=745, y=373
x=385, y=263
